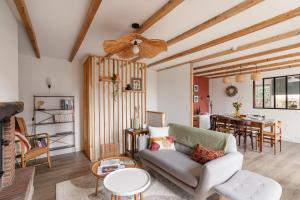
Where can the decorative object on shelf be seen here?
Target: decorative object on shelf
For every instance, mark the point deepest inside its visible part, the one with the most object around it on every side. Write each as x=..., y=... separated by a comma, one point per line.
x=49, y=83
x=237, y=107
x=134, y=44
x=196, y=99
x=136, y=84
x=231, y=91
x=66, y=104
x=256, y=76
x=128, y=87
x=196, y=88
x=136, y=120
x=227, y=80
x=39, y=105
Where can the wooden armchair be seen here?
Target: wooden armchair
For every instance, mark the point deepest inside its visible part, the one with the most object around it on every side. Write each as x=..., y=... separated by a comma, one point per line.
x=35, y=151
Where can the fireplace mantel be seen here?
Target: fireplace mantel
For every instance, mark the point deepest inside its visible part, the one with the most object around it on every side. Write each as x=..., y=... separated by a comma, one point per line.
x=8, y=109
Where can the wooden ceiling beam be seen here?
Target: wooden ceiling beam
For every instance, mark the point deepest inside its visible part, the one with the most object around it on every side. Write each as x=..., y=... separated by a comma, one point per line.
x=213, y=21
x=254, y=55
x=240, y=48
x=254, y=68
x=23, y=12
x=235, y=66
x=93, y=8
x=262, y=70
x=256, y=27
x=158, y=15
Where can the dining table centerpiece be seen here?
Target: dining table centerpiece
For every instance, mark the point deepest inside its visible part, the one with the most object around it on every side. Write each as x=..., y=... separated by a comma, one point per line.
x=237, y=107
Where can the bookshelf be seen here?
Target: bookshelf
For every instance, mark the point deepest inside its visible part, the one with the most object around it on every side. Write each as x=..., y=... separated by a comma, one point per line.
x=56, y=117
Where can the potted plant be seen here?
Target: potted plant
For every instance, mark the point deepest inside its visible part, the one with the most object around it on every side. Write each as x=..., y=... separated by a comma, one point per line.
x=237, y=106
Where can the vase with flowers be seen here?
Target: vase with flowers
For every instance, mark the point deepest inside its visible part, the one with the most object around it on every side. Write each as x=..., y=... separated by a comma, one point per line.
x=237, y=106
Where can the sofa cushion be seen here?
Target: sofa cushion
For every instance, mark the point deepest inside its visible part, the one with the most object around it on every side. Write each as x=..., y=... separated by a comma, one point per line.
x=204, y=155
x=175, y=163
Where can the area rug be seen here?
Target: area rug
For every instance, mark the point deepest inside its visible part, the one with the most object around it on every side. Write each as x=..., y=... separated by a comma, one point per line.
x=83, y=188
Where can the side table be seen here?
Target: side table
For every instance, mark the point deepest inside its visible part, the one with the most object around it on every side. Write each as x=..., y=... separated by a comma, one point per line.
x=117, y=183
x=96, y=164
x=134, y=134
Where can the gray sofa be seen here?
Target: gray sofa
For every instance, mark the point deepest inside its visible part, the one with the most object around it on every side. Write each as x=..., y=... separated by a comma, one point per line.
x=177, y=166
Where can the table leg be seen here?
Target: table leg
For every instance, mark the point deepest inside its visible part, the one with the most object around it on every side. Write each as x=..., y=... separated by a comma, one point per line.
x=133, y=139
x=125, y=145
x=141, y=196
x=97, y=184
x=136, y=196
x=261, y=139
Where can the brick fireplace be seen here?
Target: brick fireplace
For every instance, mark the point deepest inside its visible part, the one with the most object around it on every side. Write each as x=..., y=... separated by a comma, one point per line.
x=7, y=137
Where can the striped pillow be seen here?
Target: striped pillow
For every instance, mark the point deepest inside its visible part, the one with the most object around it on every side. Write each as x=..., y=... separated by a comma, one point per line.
x=22, y=140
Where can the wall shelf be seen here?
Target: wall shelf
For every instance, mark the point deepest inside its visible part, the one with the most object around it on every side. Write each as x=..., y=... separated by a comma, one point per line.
x=54, y=114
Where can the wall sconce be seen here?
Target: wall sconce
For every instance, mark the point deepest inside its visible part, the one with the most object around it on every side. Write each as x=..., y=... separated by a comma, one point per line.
x=49, y=83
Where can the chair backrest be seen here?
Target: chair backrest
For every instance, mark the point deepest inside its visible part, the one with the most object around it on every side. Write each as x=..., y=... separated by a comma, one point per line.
x=222, y=119
x=278, y=127
x=156, y=119
x=21, y=125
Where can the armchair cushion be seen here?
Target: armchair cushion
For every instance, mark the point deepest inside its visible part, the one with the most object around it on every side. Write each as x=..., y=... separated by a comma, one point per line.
x=22, y=138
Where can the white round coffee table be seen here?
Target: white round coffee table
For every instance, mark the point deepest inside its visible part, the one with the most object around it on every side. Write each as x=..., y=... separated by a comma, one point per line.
x=127, y=182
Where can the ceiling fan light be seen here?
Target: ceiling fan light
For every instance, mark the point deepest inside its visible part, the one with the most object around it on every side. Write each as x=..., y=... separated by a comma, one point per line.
x=240, y=78
x=135, y=48
x=227, y=80
x=256, y=76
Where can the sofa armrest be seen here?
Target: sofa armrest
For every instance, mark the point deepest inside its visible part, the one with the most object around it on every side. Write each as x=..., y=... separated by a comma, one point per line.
x=218, y=171
x=143, y=142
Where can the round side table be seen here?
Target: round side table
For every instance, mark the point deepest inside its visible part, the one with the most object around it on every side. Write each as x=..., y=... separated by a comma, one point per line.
x=127, y=182
x=96, y=164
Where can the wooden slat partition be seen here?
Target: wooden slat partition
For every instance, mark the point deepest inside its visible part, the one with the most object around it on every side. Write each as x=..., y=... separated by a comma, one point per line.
x=114, y=115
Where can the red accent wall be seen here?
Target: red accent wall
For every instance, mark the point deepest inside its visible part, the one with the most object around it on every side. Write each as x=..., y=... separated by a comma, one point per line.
x=203, y=83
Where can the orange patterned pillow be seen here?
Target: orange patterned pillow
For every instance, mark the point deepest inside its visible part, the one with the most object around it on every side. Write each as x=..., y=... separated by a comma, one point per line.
x=162, y=143
x=204, y=155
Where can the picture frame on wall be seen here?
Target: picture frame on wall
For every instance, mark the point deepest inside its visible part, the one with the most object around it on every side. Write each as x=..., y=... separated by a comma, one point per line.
x=136, y=84
x=196, y=88
x=196, y=99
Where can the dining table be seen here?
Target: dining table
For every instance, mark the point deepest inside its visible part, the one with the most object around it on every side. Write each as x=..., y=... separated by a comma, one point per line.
x=256, y=122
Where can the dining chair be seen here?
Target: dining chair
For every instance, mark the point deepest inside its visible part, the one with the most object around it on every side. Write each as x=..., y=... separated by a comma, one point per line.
x=243, y=129
x=222, y=124
x=271, y=137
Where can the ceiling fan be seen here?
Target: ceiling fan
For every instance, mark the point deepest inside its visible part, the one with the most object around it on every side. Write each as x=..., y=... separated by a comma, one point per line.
x=134, y=45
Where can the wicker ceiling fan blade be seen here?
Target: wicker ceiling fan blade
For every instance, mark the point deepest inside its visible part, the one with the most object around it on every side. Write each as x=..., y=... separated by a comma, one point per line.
x=126, y=53
x=151, y=47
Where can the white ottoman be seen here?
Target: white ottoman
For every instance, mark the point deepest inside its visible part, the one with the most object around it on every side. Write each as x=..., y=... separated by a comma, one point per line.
x=246, y=185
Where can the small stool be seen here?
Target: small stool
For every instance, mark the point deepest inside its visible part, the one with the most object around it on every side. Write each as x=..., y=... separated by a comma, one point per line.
x=246, y=185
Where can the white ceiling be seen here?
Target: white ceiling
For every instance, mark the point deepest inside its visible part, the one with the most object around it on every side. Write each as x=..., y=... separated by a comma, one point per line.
x=57, y=23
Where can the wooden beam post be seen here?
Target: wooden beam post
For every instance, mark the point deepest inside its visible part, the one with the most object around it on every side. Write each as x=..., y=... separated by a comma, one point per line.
x=94, y=5
x=23, y=12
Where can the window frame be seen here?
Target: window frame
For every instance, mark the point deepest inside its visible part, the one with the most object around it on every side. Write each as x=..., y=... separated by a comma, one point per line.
x=274, y=96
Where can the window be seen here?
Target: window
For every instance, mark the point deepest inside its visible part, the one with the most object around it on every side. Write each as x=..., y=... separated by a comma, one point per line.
x=281, y=92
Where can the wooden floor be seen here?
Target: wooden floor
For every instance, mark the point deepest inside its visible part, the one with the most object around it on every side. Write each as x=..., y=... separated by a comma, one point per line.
x=284, y=167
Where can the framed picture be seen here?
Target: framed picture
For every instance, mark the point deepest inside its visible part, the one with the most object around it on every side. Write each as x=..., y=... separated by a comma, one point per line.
x=136, y=83
x=196, y=88
x=196, y=99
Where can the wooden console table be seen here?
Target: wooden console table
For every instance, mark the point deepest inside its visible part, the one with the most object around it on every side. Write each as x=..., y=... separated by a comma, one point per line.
x=134, y=134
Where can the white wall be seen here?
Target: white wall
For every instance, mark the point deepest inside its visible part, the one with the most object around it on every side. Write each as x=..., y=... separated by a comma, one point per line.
x=173, y=94
x=151, y=89
x=223, y=104
x=8, y=54
x=66, y=78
